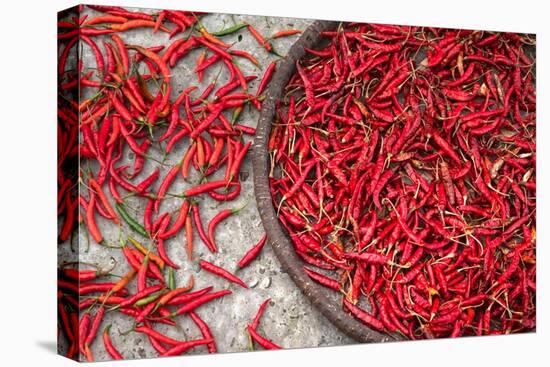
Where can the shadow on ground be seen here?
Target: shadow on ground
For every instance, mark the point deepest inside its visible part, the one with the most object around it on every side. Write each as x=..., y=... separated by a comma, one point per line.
x=48, y=345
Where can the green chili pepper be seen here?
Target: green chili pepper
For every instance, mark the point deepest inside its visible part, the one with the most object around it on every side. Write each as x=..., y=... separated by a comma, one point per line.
x=145, y=301
x=236, y=113
x=229, y=30
x=131, y=221
x=171, y=279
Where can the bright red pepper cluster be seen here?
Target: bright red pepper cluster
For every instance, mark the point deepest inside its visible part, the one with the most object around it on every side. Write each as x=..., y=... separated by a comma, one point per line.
x=404, y=172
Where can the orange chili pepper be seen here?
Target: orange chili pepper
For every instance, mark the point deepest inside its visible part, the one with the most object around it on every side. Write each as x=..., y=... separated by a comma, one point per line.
x=153, y=257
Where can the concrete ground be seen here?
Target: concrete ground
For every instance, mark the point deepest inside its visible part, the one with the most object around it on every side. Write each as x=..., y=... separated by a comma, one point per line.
x=290, y=319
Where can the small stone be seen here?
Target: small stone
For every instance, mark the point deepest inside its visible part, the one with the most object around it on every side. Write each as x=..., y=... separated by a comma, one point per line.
x=253, y=283
x=141, y=353
x=266, y=282
x=196, y=267
x=244, y=176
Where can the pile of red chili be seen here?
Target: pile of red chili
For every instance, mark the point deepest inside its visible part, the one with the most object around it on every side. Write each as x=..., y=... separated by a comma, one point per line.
x=126, y=102
x=404, y=172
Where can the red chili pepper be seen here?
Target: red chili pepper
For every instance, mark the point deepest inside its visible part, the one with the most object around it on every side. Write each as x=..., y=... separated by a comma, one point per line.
x=308, y=87
x=216, y=220
x=83, y=330
x=94, y=185
x=264, y=342
x=200, y=228
x=179, y=223
x=286, y=33
x=237, y=162
x=160, y=242
x=90, y=220
x=142, y=274
x=268, y=74
x=189, y=155
x=165, y=185
x=206, y=187
x=206, y=122
x=222, y=273
x=109, y=347
x=155, y=334
x=205, y=331
x=190, y=306
x=323, y=280
x=299, y=182
x=139, y=295
x=261, y=40
x=214, y=48
x=363, y=316
x=163, y=69
x=231, y=85
x=94, y=327
x=253, y=253
x=182, y=347
x=247, y=56
x=173, y=293
x=185, y=298
x=256, y=322
x=97, y=53
x=135, y=23
x=207, y=63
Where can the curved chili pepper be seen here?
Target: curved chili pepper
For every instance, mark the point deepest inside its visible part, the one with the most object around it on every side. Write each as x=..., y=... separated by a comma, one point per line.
x=253, y=253
x=200, y=228
x=214, y=269
x=217, y=219
x=264, y=342
x=109, y=347
x=90, y=220
x=197, y=302
x=261, y=40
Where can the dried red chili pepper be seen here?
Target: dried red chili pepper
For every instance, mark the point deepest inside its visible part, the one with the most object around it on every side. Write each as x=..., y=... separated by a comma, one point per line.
x=214, y=269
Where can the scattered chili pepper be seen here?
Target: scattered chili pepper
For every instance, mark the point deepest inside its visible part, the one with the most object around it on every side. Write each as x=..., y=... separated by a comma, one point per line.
x=229, y=30
x=214, y=269
x=252, y=253
x=200, y=229
x=216, y=220
x=266, y=78
x=109, y=347
x=286, y=33
x=264, y=342
x=258, y=36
